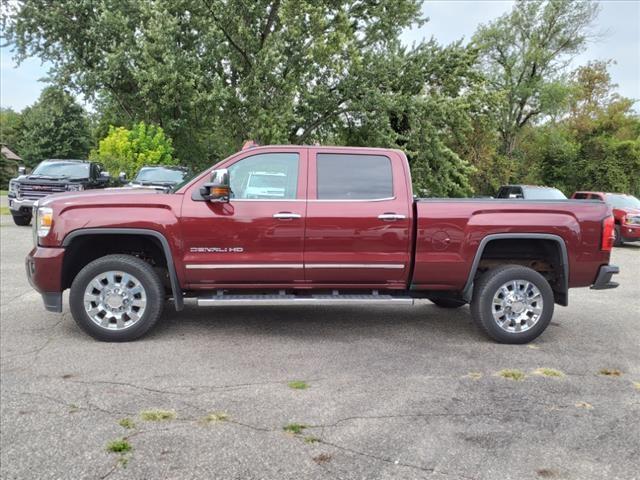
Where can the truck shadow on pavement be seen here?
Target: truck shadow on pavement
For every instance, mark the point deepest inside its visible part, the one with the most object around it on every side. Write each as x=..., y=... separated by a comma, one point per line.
x=332, y=323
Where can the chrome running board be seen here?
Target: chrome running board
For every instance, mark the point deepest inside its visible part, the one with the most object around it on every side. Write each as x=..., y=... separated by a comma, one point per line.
x=289, y=299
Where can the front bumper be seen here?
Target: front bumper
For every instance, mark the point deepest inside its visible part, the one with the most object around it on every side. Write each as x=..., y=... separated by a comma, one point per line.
x=44, y=272
x=630, y=232
x=603, y=280
x=21, y=206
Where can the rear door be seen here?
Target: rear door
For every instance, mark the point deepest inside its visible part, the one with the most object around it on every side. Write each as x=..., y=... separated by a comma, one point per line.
x=257, y=238
x=359, y=217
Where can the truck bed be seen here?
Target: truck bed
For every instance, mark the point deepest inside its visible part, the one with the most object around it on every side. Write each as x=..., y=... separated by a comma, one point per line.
x=449, y=233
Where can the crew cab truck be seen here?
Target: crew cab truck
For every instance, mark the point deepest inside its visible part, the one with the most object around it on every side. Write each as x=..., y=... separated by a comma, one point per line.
x=49, y=177
x=345, y=230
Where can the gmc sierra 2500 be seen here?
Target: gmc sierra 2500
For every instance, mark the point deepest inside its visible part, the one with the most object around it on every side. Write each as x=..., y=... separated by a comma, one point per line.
x=342, y=227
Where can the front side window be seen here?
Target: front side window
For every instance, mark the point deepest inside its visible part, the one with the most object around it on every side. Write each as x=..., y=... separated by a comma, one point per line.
x=354, y=177
x=266, y=176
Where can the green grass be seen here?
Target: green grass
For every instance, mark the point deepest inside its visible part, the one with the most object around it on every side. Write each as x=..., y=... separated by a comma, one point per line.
x=3, y=192
x=126, y=423
x=548, y=372
x=294, y=428
x=511, y=374
x=298, y=385
x=119, y=446
x=157, y=415
x=311, y=439
x=216, y=417
x=5, y=211
x=610, y=372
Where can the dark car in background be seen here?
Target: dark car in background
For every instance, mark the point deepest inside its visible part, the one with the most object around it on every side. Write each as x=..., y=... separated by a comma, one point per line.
x=52, y=176
x=530, y=192
x=160, y=177
x=626, y=212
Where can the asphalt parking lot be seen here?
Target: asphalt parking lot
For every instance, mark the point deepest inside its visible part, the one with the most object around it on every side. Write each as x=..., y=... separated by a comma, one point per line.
x=393, y=392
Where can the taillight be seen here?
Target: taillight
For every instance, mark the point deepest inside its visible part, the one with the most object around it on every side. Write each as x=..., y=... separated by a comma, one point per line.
x=608, y=234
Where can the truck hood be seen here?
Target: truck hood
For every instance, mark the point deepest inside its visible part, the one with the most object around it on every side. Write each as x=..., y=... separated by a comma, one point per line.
x=105, y=197
x=626, y=211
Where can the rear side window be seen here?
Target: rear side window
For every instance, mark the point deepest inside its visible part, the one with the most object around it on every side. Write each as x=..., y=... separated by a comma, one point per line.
x=354, y=177
x=581, y=196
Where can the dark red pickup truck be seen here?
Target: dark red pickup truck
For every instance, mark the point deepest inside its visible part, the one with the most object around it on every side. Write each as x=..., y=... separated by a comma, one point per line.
x=308, y=225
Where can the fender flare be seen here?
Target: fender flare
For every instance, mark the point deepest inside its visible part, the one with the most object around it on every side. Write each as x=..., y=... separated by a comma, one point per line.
x=467, y=292
x=178, y=299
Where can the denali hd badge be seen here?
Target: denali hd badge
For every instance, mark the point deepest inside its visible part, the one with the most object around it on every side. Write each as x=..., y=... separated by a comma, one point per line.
x=216, y=249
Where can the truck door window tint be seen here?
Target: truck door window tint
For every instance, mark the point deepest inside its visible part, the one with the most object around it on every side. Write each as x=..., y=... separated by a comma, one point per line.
x=354, y=177
x=270, y=176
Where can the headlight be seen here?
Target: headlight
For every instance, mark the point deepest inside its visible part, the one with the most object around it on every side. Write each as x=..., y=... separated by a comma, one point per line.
x=75, y=187
x=14, y=187
x=633, y=220
x=44, y=220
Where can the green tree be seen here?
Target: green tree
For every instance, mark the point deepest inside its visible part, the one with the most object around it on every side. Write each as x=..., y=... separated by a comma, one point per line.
x=54, y=127
x=10, y=127
x=524, y=56
x=213, y=73
x=124, y=150
x=596, y=143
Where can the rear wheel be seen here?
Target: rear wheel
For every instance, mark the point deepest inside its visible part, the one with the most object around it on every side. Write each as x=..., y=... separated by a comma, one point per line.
x=617, y=240
x=116, y=298
x=22, y=220
x=512, y=304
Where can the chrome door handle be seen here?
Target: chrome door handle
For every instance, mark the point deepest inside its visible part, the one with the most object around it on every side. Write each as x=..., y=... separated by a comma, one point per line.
x=286, y=215
x=391, y=217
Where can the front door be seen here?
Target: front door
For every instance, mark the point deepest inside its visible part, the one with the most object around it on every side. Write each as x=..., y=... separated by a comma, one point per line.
x=256, y=238
x=358, y=219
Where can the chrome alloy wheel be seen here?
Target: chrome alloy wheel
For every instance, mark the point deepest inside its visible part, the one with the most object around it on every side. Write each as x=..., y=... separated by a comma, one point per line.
x=115, y=300
x=517, y=306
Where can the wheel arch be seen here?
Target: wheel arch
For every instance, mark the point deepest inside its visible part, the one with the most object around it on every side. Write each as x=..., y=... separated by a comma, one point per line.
x=562, y=288
x=143, y=232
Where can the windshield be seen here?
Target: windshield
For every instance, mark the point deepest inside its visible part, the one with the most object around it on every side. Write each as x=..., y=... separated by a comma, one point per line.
x=188, y=176
x=160, y=174
x=544, y=194
x=623, y=201
x=62, y=169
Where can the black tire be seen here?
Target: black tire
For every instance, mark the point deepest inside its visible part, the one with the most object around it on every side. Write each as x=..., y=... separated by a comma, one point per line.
x=148, y=278
x=22, y=220
x=617, y=241
x=444, y=302
x=482, y=303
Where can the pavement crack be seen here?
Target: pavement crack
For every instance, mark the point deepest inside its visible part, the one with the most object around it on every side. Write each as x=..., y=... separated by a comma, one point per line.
x=398, y=463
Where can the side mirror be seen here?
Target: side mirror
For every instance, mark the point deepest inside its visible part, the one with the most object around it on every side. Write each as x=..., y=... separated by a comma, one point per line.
x=515, y=195
x=218, y=189
x=22, y=170
x=122, y=177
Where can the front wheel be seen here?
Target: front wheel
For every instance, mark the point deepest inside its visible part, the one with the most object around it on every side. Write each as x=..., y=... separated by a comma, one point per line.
x=512, y=304
x=116, y=298
x=22, y=220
